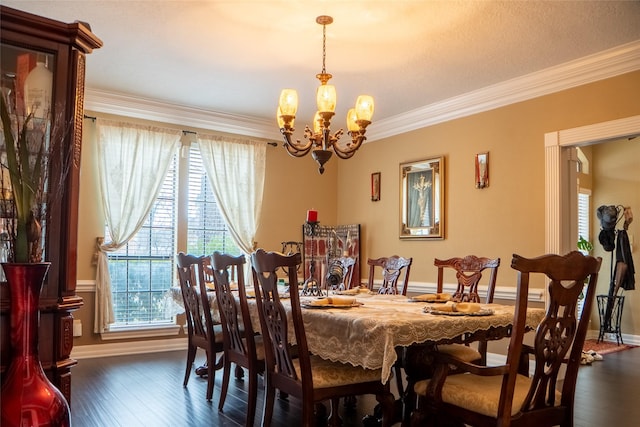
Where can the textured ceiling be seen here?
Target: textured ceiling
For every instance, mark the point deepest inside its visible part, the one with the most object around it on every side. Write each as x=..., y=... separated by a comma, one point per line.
x=234, y=57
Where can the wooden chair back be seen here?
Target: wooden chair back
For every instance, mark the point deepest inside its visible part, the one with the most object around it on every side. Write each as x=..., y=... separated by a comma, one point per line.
x=239, y=342
x=559, y=337
x=395, y=274
x=340, y=273
x=520, y=399
x=468, y=271
x=279, y=354
x=292, y=247
x=200, y=325
x=234, y=314
x=468, y=274
x=292, y=369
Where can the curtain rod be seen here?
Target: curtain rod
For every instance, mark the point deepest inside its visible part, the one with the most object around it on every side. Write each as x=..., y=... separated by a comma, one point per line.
x=184, y=132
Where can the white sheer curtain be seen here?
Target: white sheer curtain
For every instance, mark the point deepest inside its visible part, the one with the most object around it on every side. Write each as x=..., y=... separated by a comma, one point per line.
x=236, y=172
x=132, y=163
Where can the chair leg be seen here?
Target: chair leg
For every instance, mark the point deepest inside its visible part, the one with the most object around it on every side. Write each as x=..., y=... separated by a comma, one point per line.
x=308, y=413
x=387, y=403
x=398, y=375
x=253, y=397
x=226, y=372
x=269, y=396
x=334, y=417
x=191, y=357
x=211, y=374
x=239, y=372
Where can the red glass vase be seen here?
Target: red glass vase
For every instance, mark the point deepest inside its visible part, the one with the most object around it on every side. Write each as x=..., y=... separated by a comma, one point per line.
x=28, y=397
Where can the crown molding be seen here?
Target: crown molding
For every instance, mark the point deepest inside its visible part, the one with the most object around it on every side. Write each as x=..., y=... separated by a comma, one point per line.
x=148, y=109
x=606, y=64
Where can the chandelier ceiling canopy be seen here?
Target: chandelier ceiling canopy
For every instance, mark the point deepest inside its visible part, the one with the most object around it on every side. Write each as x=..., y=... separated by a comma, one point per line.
x=319, y=140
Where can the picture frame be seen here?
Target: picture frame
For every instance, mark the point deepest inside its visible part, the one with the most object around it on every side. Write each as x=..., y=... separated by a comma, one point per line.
x=482, y=170
x=375, y=187
x=422, y=214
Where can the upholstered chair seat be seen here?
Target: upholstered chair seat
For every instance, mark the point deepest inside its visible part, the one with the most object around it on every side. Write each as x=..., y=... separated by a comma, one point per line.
x=481, y=394
x=328, y=374
x=462, y=352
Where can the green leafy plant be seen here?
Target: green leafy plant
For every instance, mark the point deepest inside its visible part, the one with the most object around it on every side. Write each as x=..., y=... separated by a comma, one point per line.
x=25, y=145
x=584, y=245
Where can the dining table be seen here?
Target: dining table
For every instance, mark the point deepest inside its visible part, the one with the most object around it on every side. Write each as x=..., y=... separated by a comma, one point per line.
x=375, y=330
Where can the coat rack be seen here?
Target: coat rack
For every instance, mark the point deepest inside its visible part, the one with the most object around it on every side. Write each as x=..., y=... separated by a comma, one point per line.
x=622, y=271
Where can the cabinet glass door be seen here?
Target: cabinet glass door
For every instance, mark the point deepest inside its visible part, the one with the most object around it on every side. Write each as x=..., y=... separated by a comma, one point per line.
x=27, y=108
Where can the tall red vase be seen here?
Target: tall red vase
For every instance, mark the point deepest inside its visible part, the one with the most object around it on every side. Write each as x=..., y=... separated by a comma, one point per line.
x=28, y=397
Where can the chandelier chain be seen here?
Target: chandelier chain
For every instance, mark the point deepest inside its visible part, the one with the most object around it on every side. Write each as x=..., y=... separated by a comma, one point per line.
x=324, y=47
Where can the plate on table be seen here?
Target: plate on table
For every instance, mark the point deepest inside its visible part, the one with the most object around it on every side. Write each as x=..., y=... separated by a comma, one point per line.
x=482, y=312
x=431, y=298
x=354, y=291
x=311, y=305
x=251, y=294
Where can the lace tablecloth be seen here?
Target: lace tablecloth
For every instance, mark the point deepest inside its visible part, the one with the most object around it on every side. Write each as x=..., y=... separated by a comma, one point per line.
x=368, y=335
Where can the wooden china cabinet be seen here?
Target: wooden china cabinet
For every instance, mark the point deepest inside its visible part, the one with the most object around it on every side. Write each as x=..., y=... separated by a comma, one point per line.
x=28, y=42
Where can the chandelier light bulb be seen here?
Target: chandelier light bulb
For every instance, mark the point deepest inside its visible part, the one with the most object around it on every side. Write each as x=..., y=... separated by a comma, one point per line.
x=289, y=102
x=326, y=98
x=352, y=120
x=279, y=118
x=317, y=123
x=364, y=107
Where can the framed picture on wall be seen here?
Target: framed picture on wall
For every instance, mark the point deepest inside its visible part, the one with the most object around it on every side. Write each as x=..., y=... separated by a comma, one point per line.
x=422, y=199
x=482, y=170
x=375, y=186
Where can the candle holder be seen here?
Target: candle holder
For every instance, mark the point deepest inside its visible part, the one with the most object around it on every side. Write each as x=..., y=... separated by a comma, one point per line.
x=311, y=286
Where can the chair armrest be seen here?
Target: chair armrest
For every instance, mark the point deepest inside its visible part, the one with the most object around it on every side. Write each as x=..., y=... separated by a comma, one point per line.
x=445, y=363
x=462, y=366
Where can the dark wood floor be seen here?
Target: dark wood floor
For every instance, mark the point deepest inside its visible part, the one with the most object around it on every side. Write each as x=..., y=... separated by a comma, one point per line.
x=146, y=390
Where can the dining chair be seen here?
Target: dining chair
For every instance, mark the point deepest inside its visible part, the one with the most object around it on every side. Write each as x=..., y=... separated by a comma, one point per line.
x=395, y=280
x=468, y=272
x=395, y=274
x=340, y=273
x=307, y=377
x=240, y=343
x=507, y=395
x=201, y=331
x=292, y=247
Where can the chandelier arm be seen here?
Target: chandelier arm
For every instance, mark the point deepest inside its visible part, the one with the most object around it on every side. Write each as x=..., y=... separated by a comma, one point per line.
x=295, y=149
x=356, y=141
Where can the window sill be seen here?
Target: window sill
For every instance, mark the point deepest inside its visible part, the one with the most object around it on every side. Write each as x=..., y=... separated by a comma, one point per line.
x=146, y=331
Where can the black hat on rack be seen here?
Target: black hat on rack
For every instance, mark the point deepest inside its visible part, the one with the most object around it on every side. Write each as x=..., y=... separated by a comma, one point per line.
x=608, y=216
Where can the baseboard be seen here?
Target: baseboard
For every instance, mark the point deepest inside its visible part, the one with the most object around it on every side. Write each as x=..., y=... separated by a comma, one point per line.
x=127, y=348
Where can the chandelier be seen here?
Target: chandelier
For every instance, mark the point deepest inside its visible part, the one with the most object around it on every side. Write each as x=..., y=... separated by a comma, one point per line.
x=319, y=140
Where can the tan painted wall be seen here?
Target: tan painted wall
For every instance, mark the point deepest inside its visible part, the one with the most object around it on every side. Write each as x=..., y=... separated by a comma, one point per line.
x=504, y=218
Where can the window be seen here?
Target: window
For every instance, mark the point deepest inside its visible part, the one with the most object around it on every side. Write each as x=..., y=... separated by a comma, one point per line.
x=206, y=229
x=143, y=270
x=584, y=224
